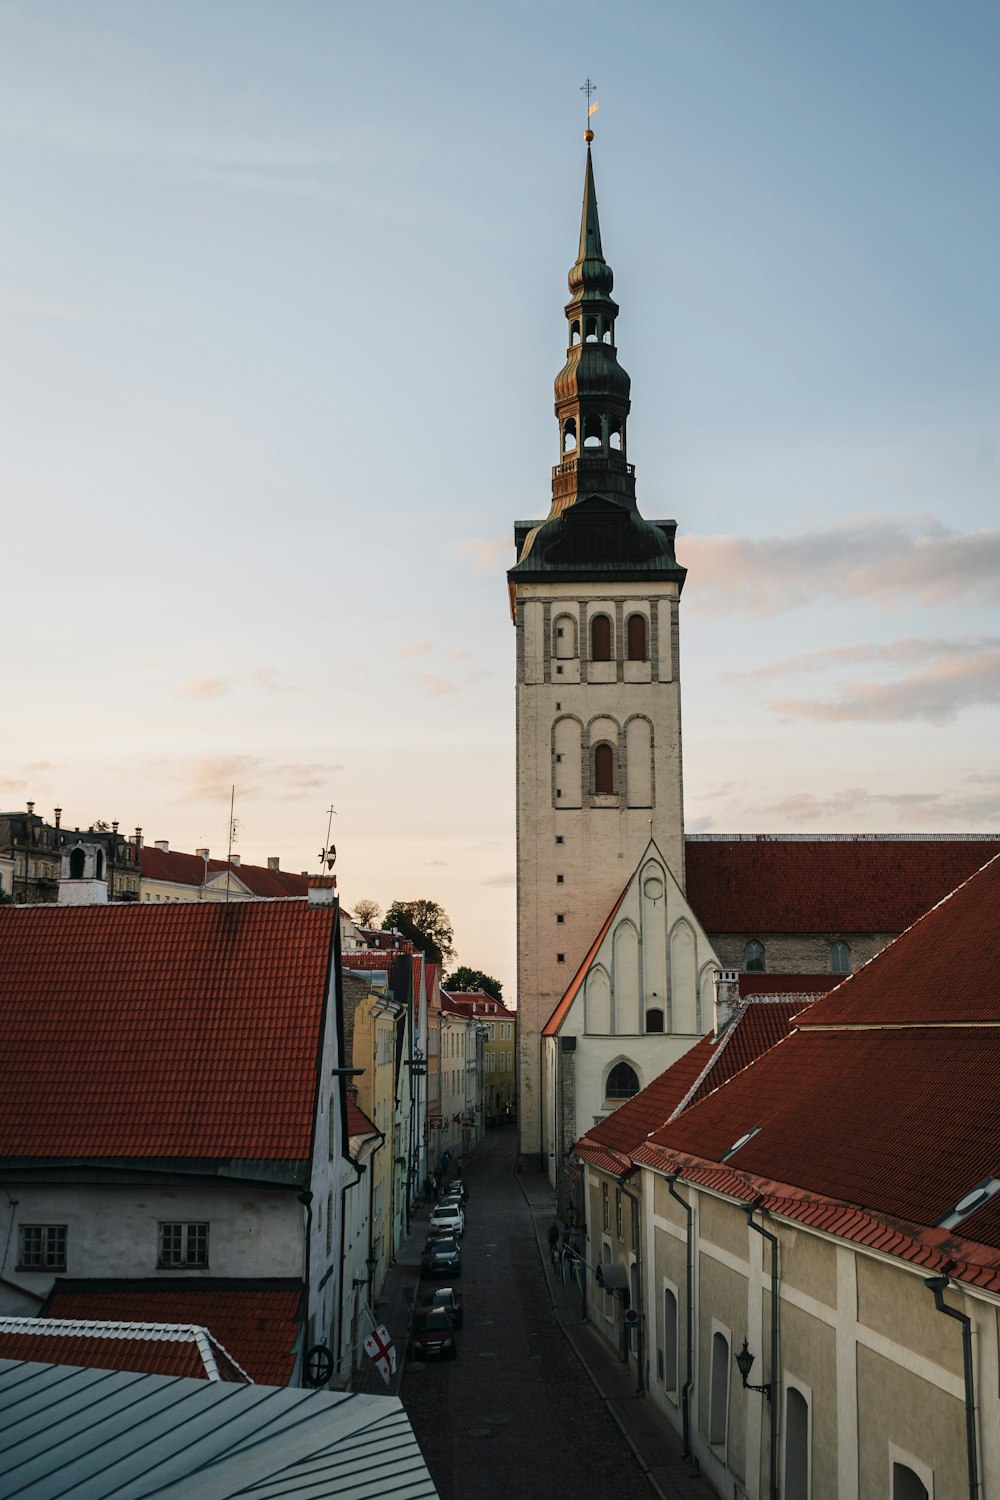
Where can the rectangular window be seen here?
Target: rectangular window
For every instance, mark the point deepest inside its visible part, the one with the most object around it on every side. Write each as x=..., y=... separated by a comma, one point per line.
x=560, y=917
x=183, y=1245
x=605, y=1207
x=669, y=1339
x=560, y=839
x=619, y=1218
x=560, y=879
x=560, y=958
x=42, y=1247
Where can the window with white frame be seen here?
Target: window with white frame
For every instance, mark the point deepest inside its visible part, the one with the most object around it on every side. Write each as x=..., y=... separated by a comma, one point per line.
x=183, y=1245
x=670, y=1338
x=42, y=1247
x=718, y=1412
x=798, y=1462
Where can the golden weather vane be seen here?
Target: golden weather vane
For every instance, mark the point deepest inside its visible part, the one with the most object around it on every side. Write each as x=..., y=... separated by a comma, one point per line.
x=590, y=89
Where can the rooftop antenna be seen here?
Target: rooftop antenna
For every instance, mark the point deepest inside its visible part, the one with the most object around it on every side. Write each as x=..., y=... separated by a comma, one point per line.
x=328, y=854
x=234, y=833
x=590, y=89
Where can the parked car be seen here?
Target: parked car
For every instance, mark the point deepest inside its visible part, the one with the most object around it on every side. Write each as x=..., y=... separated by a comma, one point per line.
x=442, y=1258
x=433, y=1334
x=447, y=1217
x=448, y=1298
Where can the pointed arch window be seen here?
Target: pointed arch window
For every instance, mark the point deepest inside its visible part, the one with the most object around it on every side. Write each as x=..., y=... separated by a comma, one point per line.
x=623, y=1082
x=600, y=638
x=637, y=637
x=604, y=770
x=754, y=957
x=840, y=957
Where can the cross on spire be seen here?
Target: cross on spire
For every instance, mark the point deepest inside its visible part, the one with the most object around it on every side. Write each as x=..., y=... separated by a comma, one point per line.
x=590, y=89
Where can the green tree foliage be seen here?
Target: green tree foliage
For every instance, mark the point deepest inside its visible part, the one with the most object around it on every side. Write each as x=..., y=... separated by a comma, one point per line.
x=465, y=978
x=427, y=925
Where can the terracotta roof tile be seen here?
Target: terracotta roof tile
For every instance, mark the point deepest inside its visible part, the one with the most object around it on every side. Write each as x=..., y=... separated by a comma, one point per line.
x=158, y=1031
x=175, y=866
x=865, y=883
x=257, y=1324
x=144, y=1348
x=788, y=984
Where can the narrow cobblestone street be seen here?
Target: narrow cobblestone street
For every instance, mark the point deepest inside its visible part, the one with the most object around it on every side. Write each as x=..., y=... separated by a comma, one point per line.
x=515, y=1414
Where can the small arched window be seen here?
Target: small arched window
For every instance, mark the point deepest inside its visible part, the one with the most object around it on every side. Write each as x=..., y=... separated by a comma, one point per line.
x=569, y=435
x=590, y=330
x=623, y=1082
x=840, y=957
x=100, y=864
x=77, y=864
x=637, y=637
x=593, y=431
x=600, y=638
x=574, y=332
x=604, y=770
x=654, y=1020
x=753, y=957
x=615, y=437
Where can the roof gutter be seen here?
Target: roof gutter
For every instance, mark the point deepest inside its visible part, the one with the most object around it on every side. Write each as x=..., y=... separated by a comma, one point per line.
x=937, y=1285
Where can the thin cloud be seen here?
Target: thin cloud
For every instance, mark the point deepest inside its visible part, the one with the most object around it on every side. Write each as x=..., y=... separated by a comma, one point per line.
x=214, y=776
x=437, y=687
x=487, y=556
x=871, y=558
x=956, y=811
x=956, y=681
x=500, y=881
x=909, y=651
x=205, y=687
x=409, y=649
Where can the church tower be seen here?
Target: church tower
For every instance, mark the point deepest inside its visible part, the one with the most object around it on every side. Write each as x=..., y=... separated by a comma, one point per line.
x=594, y=596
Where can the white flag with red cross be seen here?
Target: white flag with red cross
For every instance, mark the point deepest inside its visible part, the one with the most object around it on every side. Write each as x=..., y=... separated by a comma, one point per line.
x=380, y=1348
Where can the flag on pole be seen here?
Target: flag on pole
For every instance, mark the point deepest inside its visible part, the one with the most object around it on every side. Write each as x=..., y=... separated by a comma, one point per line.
x=593, y=109
x=380, y=1348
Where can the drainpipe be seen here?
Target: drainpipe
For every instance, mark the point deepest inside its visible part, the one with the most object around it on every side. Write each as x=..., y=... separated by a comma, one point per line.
x=772, y=1240
x=689, y=1317
x=937, y=1285
x=640, y=1351
x=306, y=1199
x=340, y=1274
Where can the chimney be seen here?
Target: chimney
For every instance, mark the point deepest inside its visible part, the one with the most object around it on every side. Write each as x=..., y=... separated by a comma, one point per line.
x=320, y=895
x=274, y=862
x=234, y=860
x=163, y=845
x=58, y=816
x=31, y=809
x=727, y=998
x=138, y=838
x=201, y=853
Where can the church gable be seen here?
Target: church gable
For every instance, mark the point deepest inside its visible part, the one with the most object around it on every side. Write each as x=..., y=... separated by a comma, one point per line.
x=650, y=969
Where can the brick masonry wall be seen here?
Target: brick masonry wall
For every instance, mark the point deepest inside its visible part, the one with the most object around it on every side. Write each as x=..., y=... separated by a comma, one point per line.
x=798, y=953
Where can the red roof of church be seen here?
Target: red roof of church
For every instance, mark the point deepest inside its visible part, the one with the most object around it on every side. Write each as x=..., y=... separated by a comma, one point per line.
x=766, y=883
x=144, y=1348
x=257, y=1323
x=186, y=1029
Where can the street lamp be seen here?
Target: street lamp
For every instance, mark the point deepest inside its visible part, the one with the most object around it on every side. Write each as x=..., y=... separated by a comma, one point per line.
x=744, y=1363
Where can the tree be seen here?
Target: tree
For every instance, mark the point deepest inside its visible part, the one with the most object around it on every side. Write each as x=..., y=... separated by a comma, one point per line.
x=367, y=912
x=427, y=925
x=465, y=979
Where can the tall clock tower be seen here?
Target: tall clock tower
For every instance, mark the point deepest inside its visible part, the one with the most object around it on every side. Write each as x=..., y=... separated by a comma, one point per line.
x=594, y=597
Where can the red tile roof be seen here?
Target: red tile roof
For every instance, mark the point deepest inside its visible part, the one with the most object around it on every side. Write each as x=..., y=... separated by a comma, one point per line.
x=787, y=984
x=858, y=883
x=358, y=1122
x=257, y=1324
x=475, y=1002
x=757, y=1027
x=158, y=1031
x=189, y=869
x=561, y=1011
x=942, y=971
x=144, y=1348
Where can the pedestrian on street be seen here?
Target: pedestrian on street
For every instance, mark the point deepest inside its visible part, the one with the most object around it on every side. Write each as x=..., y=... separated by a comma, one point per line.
x=553, y=1236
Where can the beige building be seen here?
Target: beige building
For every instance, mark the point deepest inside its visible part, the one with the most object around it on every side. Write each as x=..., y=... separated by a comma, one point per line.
x=499, y=1040
x=815, y=1185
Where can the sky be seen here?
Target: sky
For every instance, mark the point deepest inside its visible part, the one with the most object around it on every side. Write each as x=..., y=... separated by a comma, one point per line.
x=281, y=305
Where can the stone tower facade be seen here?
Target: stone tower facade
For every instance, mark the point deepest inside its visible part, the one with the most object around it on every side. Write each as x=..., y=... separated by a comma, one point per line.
x=594, y=597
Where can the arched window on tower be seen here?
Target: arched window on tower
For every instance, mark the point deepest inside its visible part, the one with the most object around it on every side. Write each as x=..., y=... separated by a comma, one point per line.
x=574, y=332
x=637, y=637
x=753, y=957
x=604, y=770
x=593, y=436
x=600, y=638
x=616, y=436
x=654, y=1019
x=609, y=332
x=77, y=864
x=590, y=330
x=100, y=864
x=623, y=1082
x=569, y=435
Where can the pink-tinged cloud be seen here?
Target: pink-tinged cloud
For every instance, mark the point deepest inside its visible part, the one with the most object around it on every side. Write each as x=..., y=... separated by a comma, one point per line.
x=436, y=687
x=954, y=682
x=213, y=776
x=501, y=882
x=876, y=559
x=910, y=651
x=487, y=556
x=408, y=649
x=205, y=687
x=958, y=811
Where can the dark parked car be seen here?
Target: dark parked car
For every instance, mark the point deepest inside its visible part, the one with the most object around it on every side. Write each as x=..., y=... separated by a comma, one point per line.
x=442, y=1258
x=449, y=1299
x=432, y=1333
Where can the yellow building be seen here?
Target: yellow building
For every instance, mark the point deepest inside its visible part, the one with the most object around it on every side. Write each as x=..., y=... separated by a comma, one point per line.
x=372, y=1019
x=498, y=1085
